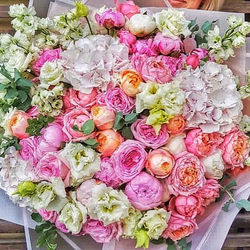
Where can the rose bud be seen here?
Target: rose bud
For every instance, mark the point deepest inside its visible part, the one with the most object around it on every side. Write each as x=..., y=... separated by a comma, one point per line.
x=130, y=82
x=176, y=125
x=128, y=9
x=159, y=163
x=144, y=192
x=193, y=61
x=103, y=117
x=18, y=124
x=127, y=38
x=109, y=141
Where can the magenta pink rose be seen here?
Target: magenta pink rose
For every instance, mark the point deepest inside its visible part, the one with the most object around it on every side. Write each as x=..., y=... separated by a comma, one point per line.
x=179, y=227
x=28, y=151
x=127, y=38
x=193, y=61
x=200, y=52
x=101, y=233
x=159, y=69
x=144, y=191
x=129, y=160
x=167, y=45
x=128, y=8
x=110, y=19
x=187, y=175
x=47, y=55
x=107, y=173
x=146, y=134
x=235, y=148
x=146, y=47
x=202, y=144
x=209, y=192
x=74, y=98
x=50, y=216
x=51, y=166
x=76, y=117
x=116, y=99
x=61, y=226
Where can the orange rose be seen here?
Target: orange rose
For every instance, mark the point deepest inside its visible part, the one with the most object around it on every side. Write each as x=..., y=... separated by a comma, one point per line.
x=176, y=125
x=130, y=82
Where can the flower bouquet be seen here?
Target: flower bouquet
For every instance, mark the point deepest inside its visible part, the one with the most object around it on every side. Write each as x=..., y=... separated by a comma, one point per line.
x=121, y=124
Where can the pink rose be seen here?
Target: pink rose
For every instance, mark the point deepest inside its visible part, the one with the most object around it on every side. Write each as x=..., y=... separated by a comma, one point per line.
x=47, y=55
x=209, y=192
x=159, y=69
x=144, y=192
x=179, y=227
x=76, y=117
x=51, y=166
x=28, y=150
x=235, y=148
x=128, y=9
x=74, y=98
x=103, y=117
x=127, y=38
x=202, y=144
x=167, y=45
x=107, y=173
x=61, y=226
x=129, y=160
x=101, y=233
x=160, y=163
x=110, y=19
x=146, y=134
x=50, y=216
x=146, y=47
x=193, y=61
x=187, y=175
x=200, y=52
x=116, y=99
x=187, y=206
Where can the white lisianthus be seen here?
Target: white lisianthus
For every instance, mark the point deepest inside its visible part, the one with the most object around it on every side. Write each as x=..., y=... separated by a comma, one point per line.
x=172, y=23
x=20, y=10
x=22, y=40
x=245, y=124
x=214, y=165
x=141, y=25
x=51, y=74
x=238, y=41
x=154, y=222
x=83, y=162
x=176, y=144
x=214, y=40
x=245, y=28
x=108, y=205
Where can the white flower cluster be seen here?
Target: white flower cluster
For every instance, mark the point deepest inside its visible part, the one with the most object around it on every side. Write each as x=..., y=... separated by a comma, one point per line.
x=212, y=100
x=245, y=124
x=94, y=61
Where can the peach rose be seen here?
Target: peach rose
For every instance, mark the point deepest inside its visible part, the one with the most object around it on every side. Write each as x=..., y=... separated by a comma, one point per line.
x=130, y=82
x=103, y=117
x=176, y=125
x=109, y=140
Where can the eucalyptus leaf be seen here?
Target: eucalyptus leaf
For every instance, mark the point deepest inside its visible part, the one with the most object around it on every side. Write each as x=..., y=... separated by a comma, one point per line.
x=23, y=82
x=127, y=133
x=119, y=121
x=91, y=142
x=195, y=28
x=243, y=204
x=88, y=127
x=22, y=95
x=17, y=75
x=11, y=93
x=225, y=207
x=130, y=118
x=5, y=73
x=206, y=26
x=3, y=86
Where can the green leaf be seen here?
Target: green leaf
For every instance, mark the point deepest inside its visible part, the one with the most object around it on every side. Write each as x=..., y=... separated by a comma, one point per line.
x=5, y=73
x=130, y=118
x=88, y=127
x=22, y=95
x=24, y=106
x=184, y=245
x=17, y=75
x=91, y=142
x=170, y=244
x=41, y=240
x=206, y=27
x=3, y=86
x=231, y=184
x=243, y=204
x=225, y=208
x=75, y=127
x=119, y=121
x=23, y=82
x=36, y=217
x=199, y=39
x=11, y=93
x=127, y=133
x=192, y=23
x=157, y=242
x=195, y=28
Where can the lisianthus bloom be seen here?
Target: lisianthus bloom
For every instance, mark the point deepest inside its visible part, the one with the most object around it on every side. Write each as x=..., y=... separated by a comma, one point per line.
x=209, y=192
x=146, y=47
x=141, y=25
x=202, y=144
x=50, y=216
x=101, y=233
x=130, y=82
x=110, y=19
x=47, y=55
x=107, y=204
x=176, y=144
x=74, y=99
x=214, y=165
x=108, y=141
x=176, y=125
x=103, y=117
x=235, y=148
x=107, y=173
x=179, y=227
x=61, y=226
x=18, y=124
x=147, y=136
x=159, y=69
x=167, y=45
x=127, y=38
x=128, y=8
x=76, y=117
x=187, y=206
x=187, y=175
x=129, y=160
x=144, y=191
x=193, y=61
x=159, y=163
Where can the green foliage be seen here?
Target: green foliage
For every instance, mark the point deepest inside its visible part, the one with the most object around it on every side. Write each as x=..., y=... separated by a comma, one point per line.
x=6, y=142
x=87, y=128
x=47, y=232
x=37, y=124
x=243, y=204
x=16, y=90
x=181, y=244
x=92, y=143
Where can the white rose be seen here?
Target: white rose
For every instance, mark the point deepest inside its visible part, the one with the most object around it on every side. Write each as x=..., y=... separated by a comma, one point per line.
x=176, y=144
x=214, y=165
x=141, y=25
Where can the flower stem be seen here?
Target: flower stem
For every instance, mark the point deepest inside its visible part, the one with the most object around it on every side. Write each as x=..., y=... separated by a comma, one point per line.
x=89, y=25
x=230, y=196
